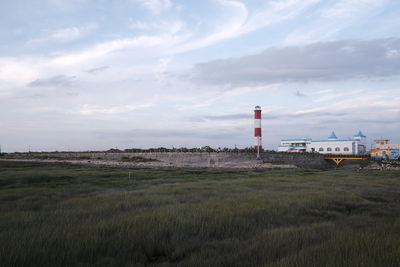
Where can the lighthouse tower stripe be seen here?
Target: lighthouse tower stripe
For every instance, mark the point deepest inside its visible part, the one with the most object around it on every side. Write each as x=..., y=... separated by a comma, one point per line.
x=257, y=128
x=257, y=123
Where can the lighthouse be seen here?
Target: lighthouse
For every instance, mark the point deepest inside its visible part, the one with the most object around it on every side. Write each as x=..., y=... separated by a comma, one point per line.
x=257, y=130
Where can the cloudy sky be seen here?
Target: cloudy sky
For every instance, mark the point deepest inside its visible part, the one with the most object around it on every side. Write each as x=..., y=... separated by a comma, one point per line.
x=97, y=74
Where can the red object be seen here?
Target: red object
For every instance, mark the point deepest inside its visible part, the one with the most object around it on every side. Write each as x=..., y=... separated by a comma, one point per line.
x=257, y=129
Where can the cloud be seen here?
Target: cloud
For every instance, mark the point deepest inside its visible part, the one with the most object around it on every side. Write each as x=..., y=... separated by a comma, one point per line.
x=268, y=116
x=155, y=6
x=350, y=8
x=232, y=18
x=169, y=38
x=104, y=48
x=236, y=116
x=276, y=11
x=69, y=5
x=336, y=60
x=183, y=135
x=67, y=34
x=333, y=19
x=330, y=97
x=64, y=35
x=323, y=91
x=59, y=80
x=161, y=26
x=236, y=20
x=299, y=94
x=90, y=110
x=98, y=69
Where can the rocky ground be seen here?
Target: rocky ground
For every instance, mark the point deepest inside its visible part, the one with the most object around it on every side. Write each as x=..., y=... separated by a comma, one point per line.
x=153, y=164
x=138, y=162
x=384, y=165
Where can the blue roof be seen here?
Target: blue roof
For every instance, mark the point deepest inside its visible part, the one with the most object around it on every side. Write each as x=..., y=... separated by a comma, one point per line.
x=336, y=140
x=360, y=134
x=333, y=136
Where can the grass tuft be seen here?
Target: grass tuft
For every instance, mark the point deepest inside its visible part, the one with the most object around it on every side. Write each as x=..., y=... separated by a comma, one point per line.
x=65, y=215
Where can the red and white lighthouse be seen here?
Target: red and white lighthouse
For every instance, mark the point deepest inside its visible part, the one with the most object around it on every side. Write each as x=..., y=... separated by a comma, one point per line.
x=257, y=130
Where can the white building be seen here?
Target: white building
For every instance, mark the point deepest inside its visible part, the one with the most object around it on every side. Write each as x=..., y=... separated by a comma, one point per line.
x=384, y=144
x=294, y=145
x=332, y=145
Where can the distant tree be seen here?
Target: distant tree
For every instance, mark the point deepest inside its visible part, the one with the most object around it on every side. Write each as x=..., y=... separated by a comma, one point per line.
x=114, y=150
x=208, y=149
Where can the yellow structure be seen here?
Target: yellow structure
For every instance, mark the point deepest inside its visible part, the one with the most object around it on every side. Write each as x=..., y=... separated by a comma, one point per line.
x=338, y=158
x=380, y=152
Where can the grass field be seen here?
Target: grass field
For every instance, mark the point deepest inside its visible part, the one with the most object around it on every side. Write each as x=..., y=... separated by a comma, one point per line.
x=62, y=215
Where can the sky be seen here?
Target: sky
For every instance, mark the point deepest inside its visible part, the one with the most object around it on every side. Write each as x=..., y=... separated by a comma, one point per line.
x=99, y=74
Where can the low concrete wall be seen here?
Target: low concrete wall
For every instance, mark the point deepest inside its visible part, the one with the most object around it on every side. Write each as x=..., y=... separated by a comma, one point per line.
x=191, y=159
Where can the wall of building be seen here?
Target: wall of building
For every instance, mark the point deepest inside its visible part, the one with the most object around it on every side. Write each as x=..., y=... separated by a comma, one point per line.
x=390, y=146
x=387, y=154
x=351, y=145
x=294, y=145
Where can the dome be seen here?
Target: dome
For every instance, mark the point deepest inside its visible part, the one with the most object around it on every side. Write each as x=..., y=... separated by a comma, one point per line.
x=333, y=136
x=360, y=135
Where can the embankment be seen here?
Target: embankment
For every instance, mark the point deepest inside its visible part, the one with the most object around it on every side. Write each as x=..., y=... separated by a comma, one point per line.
x=187, y=159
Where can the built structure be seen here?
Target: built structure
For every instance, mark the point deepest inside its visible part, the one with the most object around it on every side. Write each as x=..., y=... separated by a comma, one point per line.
x=383, y=150
x=331, y=145
x=257, y=130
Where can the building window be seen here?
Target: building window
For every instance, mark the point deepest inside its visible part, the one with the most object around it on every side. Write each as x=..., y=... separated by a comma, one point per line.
x=337, y=149
x=320, y=149
x=329, y=149
x=346, y=149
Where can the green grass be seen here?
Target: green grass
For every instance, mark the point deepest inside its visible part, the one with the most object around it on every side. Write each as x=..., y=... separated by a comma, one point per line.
x=65, y=215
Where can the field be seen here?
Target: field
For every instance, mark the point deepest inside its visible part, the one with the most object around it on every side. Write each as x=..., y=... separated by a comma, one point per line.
x=64, y=215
